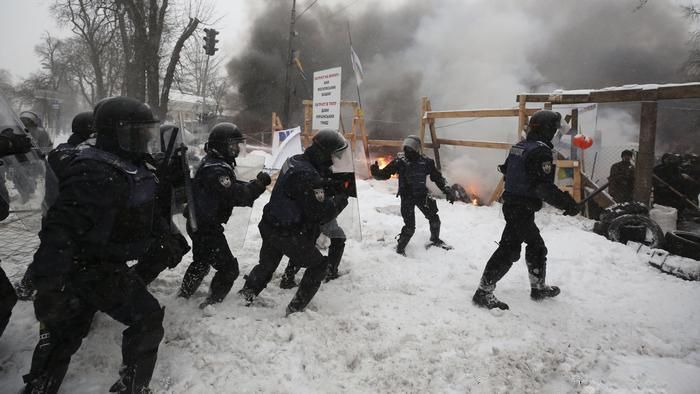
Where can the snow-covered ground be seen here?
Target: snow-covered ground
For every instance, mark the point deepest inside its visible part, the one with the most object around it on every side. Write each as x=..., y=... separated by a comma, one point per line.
x=395, y=324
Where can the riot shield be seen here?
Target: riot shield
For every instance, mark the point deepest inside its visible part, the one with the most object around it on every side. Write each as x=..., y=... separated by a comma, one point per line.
x=24, y=178
x=236, y=229
x=343, y=180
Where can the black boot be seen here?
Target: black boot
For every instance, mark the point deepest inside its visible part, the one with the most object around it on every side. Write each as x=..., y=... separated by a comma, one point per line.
x=335, y=254
x=543, y=292
x=127, y=383
x=402, y=242
x=193, y=278
x=486, y=299
x=248, y=295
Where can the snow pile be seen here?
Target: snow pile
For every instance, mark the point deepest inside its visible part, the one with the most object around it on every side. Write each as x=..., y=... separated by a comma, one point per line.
x=395, y=324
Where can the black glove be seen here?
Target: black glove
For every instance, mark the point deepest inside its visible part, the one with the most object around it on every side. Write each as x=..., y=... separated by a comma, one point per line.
x=572, y=210
x=263, y=178
x=17, y=143
x=52, y=300
x=374, y=169
x=450, y=194
x=341, y=201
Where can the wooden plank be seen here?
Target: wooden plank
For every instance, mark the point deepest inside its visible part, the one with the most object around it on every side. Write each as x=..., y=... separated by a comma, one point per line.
x=566, y=163
x=475, y=144
x=574, y=125
x=522, y=117
x=498, y=191
x=421, y=125
x=577, y=186
x=685, y=91
x=434, y=138
x=645, y=158
x=678, y=92
x=476, y=113
x=602, y=199
x=393, y=143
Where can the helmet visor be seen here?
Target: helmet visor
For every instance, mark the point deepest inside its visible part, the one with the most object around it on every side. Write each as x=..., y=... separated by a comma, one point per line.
x=140, y=137
x=342, y=160
x=237, y=148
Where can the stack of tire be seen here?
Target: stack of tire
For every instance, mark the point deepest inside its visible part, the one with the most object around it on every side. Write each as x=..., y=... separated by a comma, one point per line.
x=629, y=222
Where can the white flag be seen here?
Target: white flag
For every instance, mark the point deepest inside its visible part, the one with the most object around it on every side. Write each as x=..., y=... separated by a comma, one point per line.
x=356, y=66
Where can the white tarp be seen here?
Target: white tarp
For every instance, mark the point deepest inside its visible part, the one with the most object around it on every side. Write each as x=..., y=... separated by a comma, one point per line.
x=288, y=144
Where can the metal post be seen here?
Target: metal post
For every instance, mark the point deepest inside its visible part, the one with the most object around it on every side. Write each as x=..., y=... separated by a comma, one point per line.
x=204, y=85
x=645, y=158
x=287, y=78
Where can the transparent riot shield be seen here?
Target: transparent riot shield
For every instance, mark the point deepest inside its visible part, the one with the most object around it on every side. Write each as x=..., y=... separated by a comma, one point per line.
x=343, y=180
x=27, y=186
x=247, y=168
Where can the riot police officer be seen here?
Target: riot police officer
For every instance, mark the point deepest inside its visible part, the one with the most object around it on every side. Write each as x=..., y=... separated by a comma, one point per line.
x=216, y=192
x=291, y=220
x=529, y=179
x=102, y=218
x=59, y=158
x=170, y=246
x=413, y=168
x=10, y=143
x=35, y=125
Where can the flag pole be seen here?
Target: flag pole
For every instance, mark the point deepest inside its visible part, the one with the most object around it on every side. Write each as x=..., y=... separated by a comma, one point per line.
x=357, y=85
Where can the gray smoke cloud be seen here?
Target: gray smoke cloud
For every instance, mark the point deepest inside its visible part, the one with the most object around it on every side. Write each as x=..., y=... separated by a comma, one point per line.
x=470, y=54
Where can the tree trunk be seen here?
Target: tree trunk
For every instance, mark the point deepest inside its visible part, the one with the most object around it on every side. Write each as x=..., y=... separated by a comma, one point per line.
x=174, y=59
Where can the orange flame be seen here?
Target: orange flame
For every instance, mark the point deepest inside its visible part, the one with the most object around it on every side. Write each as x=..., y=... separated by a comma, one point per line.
x=383, y=161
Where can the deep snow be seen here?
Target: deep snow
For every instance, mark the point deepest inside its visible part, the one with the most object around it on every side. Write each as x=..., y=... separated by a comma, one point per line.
x=395, y=324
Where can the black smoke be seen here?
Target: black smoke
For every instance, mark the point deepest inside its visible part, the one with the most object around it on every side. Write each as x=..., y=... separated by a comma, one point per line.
x=465, y=53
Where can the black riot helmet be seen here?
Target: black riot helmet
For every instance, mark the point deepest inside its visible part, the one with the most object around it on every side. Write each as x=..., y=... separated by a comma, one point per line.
x=83, y=125
x=544, y=124
x=412, y=147
x=227, y=140
x=326, y=145
x=125, y=127
x=30, y=119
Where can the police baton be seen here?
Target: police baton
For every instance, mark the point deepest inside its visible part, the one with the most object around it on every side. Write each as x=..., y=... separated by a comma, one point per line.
x=191, y=212
x=595, y=193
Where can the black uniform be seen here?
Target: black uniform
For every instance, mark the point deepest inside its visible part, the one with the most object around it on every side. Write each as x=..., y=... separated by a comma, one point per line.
x=529, y=178
x=103, y=217
x=670, y=172
x=414, y=193
x=290, y=225
x=622, y=181
x=9, y=144
x=216, y=192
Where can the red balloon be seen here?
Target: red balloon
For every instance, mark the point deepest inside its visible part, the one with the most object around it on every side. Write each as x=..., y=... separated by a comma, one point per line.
x=582, y=141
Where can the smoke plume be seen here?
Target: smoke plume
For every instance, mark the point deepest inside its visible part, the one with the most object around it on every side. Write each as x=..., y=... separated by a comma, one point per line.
x=468, y=54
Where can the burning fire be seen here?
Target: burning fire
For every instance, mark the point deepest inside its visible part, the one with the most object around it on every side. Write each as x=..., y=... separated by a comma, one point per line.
x=383, y=161
x=467, y=194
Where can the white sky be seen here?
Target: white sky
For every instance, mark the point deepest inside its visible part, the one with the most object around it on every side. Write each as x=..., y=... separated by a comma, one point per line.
x=22, y=23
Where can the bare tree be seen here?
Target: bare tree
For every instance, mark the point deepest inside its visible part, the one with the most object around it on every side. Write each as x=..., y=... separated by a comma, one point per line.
x=95, y=23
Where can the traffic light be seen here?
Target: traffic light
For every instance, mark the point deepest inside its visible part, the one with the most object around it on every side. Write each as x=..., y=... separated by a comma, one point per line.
x=210, y=42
